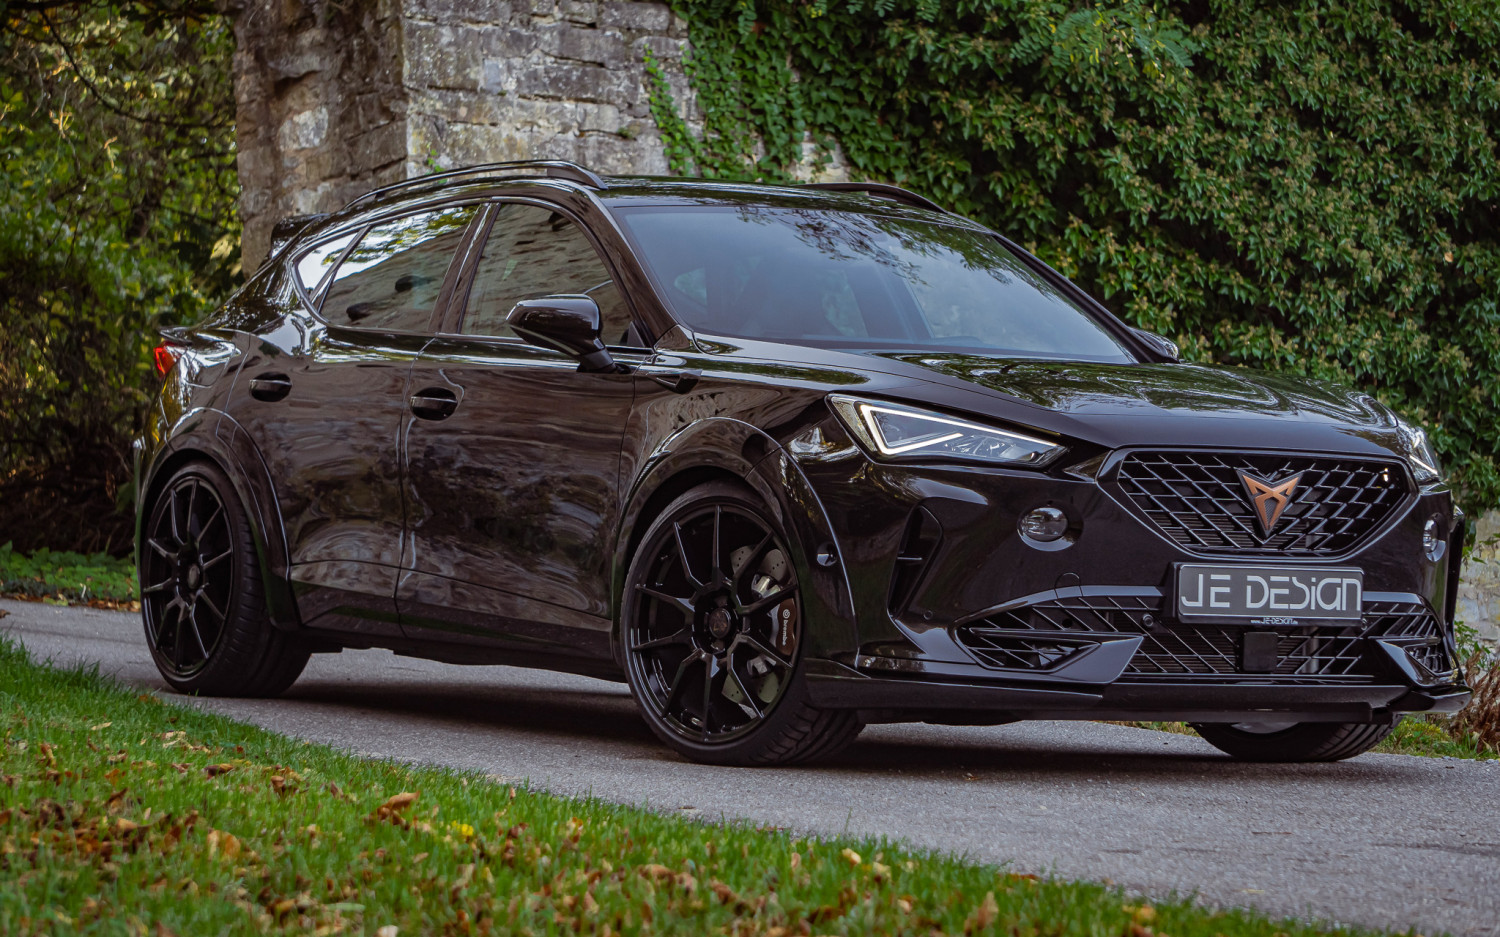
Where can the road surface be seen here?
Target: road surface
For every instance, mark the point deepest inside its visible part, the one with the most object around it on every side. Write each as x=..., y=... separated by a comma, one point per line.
x=1387, y=841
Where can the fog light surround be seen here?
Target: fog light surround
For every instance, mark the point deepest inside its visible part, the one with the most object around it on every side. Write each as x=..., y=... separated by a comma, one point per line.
x=1047, y=528
x=1433, y=542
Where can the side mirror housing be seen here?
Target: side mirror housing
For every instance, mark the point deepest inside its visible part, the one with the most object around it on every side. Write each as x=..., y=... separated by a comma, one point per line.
x=569, y=324
x=1160, y=344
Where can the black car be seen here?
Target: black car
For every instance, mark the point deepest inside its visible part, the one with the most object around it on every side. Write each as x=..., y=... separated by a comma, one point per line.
x=786, y=459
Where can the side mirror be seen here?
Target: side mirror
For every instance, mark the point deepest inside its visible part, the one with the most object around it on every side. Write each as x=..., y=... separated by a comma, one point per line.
x=1160, y=344
x=569, y=324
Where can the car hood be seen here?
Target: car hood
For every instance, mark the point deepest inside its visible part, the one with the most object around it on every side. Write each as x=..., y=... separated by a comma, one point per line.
x=1112, y=405
x=1132, y=404
x=1089, y=388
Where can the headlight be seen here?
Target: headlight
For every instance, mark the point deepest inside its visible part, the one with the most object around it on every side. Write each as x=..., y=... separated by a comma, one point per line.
x=894, y=431
x=1419, y=453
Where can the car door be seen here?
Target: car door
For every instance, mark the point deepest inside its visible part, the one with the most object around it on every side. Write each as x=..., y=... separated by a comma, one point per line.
x=325, y=414
x=512, y=454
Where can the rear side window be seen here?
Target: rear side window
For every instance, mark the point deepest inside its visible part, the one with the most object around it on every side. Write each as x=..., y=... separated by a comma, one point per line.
x=392, y=277
x=534, y=252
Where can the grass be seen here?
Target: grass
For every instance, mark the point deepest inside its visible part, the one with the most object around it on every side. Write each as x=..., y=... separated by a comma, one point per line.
x=67, y=578
x=120, y=814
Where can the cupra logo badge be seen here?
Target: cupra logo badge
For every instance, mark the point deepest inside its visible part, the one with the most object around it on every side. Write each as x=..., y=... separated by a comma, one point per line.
x=1269, y=498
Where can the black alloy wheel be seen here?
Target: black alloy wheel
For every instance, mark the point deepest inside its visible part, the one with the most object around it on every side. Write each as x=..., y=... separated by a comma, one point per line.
x=712, y=633
x=202, y=600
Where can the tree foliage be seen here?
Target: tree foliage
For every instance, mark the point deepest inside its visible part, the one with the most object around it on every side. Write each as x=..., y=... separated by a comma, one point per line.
x=1308, y=186
x=117, y=216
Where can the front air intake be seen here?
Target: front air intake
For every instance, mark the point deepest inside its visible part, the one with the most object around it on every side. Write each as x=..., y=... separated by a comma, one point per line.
x=919, y=543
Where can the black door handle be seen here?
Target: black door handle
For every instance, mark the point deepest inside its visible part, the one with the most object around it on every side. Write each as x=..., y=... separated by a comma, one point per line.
x=270, y=387
x=434, y=403
x=678, y=381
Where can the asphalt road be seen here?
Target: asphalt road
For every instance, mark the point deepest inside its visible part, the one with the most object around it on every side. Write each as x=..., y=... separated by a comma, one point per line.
x=1382, y=840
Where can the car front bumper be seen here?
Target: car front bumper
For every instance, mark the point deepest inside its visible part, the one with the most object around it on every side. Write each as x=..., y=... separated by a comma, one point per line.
x=960, y=616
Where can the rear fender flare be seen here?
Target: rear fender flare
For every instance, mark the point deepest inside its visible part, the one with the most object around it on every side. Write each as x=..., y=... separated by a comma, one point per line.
x=213, y=436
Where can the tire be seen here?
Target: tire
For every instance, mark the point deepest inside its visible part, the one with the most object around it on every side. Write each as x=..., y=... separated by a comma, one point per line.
x=712, y=630
x=202, y=598
x=1300, y=741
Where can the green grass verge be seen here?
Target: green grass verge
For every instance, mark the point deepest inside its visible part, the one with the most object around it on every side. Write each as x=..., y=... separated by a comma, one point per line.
x=64, y=578
x=123, y=815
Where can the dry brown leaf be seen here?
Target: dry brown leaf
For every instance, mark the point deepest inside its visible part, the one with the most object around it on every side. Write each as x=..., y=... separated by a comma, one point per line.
x=214, y=771
x=658, y=872
x=850, y=856
x=123, y=825
x=223, y=844
x=984, y=915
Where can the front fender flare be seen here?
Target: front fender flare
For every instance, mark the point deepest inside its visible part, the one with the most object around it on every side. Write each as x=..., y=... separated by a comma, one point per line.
x=722, y=448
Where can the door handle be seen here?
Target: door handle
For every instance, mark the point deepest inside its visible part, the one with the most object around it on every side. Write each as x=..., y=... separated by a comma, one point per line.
x=270, y=387
x=679, y=382
x=434, y=403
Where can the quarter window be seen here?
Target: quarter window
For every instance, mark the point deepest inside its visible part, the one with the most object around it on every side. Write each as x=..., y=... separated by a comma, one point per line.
x=534, y=252
x=392, y=277
x=314, y=265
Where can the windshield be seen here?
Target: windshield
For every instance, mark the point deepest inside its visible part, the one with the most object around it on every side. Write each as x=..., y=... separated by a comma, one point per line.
x=853, y=280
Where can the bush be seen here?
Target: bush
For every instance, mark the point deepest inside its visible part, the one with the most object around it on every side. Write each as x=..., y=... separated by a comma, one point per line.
x=1308, y=186
x=117, y=194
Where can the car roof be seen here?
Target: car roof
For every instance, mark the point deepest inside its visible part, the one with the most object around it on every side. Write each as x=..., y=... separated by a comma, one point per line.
x=559, y=177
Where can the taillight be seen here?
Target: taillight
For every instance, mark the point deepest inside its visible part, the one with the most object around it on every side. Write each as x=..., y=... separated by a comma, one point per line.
x=165, y=358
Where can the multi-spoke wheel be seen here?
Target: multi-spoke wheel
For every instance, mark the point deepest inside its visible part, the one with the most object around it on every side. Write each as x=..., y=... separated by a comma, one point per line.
x=1292, y=741
x=712, y=630
x=201, y=594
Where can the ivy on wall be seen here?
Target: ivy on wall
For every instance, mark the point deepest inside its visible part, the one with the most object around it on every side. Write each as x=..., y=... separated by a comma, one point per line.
x=1305, y=185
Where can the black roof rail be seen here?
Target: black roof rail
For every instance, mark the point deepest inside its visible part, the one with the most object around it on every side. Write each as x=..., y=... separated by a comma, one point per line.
x=881, y=190
x=551, y=168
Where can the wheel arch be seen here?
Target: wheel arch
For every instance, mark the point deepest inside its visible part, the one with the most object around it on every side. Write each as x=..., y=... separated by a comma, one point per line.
x=222, y=443
x=737, y=452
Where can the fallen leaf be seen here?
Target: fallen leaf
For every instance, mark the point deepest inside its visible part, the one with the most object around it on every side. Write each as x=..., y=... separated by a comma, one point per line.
x=655, y=871
x=391, y=809
x=389, y=930
x=214, y=771
x=123, y=825
x=984, y=915
x=223, y=844
x=850, y=856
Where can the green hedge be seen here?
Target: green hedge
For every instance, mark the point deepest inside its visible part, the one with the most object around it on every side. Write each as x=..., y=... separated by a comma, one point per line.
x=1280, y=184
x=117, y=216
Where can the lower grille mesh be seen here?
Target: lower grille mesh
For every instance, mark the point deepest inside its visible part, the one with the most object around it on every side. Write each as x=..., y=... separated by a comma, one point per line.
x=1042, y=635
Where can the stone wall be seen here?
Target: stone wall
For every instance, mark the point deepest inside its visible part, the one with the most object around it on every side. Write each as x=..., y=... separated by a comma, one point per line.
x=1479, y=590
x=336, y=99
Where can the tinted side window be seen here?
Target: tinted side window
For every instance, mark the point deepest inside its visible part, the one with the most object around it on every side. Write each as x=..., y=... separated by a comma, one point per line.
x=392, y=277
x=534, y=252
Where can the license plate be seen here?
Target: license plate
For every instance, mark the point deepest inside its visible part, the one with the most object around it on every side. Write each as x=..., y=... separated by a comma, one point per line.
x=1268, y=595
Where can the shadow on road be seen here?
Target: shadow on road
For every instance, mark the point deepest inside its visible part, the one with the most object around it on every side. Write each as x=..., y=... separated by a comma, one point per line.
x=607, y=715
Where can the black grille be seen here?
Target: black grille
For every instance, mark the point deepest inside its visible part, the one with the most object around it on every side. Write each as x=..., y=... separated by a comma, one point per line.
x=1198, y=500
x=1416, y=630
x=1015, y=652
x=1042, y=635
